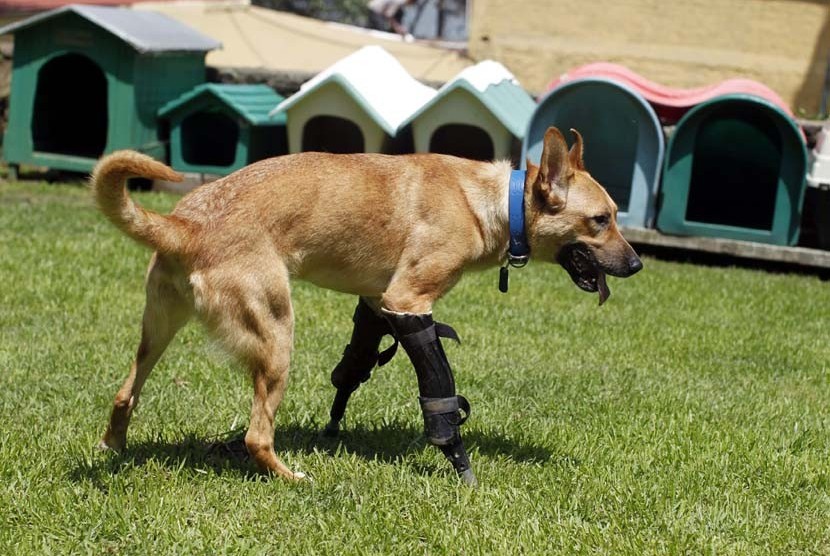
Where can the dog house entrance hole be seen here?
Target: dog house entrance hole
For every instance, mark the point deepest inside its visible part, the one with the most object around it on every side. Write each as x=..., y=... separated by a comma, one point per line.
x=466, y=141
x=332, y=134
x=209, y=139
x=70, y=108
x=737, y=160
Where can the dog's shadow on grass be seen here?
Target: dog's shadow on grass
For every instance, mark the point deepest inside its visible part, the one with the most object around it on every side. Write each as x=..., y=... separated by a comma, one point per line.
x=388, y=443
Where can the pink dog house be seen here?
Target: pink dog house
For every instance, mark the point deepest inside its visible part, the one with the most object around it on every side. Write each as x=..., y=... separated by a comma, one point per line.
x=671, y=103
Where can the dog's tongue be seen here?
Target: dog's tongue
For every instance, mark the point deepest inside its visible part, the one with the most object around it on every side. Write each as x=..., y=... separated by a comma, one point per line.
x=602, y=287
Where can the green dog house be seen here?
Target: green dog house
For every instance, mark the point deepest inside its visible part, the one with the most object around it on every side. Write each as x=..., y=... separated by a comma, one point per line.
x=481, y=114
x=357, y=105
x=87, y=80
x=735, y=168
x=219, y=128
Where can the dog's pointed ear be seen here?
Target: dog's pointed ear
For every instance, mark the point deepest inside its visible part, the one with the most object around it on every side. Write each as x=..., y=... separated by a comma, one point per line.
x=532, y=170
x=575, y=154
x=554, y=167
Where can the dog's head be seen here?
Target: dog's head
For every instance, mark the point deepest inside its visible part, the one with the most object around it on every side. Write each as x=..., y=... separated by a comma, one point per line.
x=572, y=220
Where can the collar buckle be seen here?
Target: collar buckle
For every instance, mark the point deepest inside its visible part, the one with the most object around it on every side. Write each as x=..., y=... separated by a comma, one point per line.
x=517, y=261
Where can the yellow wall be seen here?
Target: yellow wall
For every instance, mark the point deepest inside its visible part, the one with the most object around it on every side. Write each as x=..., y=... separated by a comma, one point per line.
x=785, y=44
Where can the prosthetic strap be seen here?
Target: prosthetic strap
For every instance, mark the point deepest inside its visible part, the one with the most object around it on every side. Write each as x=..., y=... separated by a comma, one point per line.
x=444, y=411
x=453, y=411
x=359, y=358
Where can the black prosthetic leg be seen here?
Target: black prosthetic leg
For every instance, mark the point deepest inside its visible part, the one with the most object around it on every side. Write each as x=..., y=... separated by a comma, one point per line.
x=359, y=358
x=443, y=410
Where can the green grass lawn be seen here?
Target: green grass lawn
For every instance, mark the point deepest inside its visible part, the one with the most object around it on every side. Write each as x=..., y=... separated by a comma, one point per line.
x=690, y=414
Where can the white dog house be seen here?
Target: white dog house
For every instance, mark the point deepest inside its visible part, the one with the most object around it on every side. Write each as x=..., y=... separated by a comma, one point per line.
x=356, y=105
x=481, y=114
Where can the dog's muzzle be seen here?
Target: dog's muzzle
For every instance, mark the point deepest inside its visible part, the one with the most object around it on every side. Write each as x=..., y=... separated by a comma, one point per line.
x=584, y=269
x=589, y=274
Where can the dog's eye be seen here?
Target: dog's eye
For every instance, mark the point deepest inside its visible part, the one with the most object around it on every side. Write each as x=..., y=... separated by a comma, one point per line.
x=602, y=219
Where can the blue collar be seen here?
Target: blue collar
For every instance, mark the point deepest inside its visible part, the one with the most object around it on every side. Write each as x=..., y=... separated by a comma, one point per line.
x=519, y=251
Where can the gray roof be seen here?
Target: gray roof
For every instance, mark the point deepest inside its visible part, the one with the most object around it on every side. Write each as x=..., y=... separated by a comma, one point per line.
x=146, y=31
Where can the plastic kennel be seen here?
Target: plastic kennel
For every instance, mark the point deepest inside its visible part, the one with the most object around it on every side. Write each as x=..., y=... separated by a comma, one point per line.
x=735, y=168
x=624, y=143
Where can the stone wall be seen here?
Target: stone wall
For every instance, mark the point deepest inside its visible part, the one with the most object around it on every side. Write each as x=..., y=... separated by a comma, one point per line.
x=785, y=44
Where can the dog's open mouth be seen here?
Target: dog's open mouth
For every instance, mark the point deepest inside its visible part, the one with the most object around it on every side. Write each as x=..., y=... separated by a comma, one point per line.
x=581, y=264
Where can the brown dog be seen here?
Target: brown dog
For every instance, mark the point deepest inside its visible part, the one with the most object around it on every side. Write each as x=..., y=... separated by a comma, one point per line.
x=396, y=230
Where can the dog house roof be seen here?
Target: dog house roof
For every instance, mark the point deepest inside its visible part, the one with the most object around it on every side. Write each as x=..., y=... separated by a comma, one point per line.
x=497, y=89
x=145, y=31
x=251, y=102
x=376, y=81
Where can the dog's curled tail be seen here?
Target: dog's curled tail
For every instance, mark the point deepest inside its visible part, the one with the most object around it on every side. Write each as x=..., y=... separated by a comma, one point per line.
x=109, y=184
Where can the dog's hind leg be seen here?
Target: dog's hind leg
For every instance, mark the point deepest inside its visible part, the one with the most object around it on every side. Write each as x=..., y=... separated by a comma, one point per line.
x=359, y=358
x=251, y=313
x=166, y=311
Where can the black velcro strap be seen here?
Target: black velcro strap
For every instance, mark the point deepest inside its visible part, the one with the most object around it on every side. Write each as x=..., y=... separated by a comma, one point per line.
x=421, y=337
x=439, y=330
x=386, y=355
x=430, y=334
x=446, y=331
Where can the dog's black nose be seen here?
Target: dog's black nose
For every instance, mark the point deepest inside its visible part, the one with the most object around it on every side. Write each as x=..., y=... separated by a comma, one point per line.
x=635, y=264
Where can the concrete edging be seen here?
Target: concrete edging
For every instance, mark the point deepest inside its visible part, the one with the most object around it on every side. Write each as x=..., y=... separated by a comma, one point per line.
x=803, y=256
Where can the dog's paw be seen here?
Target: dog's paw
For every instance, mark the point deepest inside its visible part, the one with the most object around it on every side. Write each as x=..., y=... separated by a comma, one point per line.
x=332, y=430
x=102, y=446
x=108, y=444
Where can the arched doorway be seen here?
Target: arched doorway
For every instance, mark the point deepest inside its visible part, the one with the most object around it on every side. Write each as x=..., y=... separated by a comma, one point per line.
x=332, y=134
x=70, y=110
x=209, y=139
x=466, y=141
x=736, y=166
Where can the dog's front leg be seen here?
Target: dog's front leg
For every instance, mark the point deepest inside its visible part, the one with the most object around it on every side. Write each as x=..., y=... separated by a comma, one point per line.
x=359, y=358
x=424, y=275
x=407, y=304
x=443, y=410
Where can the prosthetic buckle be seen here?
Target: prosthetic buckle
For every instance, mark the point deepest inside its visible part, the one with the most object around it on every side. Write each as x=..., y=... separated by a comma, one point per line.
x=442, y=417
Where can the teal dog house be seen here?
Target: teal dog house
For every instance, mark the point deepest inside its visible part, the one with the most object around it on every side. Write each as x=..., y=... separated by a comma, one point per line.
x=624, y=142
x=87, y=80
x=481, y=114
x=219, y=128
x=735, y=168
